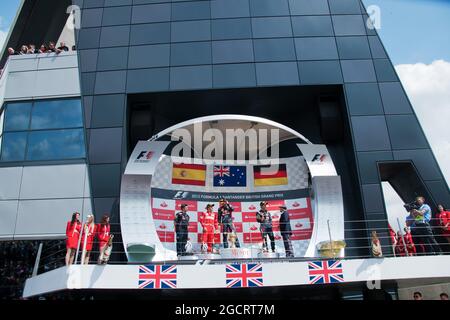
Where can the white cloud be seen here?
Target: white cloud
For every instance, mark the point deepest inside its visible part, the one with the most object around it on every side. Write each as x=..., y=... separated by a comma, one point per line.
x=428, y=87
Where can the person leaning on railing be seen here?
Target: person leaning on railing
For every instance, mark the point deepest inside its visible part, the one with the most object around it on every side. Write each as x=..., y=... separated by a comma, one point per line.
x=12, y=52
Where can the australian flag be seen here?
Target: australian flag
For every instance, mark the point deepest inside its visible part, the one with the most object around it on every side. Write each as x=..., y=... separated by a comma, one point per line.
x=230, y=176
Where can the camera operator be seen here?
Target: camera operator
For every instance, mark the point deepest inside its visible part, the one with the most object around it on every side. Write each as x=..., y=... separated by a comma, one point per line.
x=419, y=222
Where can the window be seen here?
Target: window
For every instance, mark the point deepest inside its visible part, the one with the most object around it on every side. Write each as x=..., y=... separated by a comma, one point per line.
x=42, y=130
x=17, y=116
x=56, y=145
x=13, y=146
x=56, y=114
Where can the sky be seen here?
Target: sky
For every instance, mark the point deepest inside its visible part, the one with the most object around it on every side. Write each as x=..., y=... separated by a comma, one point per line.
x=416, y=36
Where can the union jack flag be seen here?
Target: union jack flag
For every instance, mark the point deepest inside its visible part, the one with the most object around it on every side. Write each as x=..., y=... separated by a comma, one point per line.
x=158, y=277
x=245, y=275
x=321, y=272
x=221, y=171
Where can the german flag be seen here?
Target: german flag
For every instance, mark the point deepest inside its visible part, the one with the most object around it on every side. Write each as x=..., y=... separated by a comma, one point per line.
x=191, y=174
x=264, y=177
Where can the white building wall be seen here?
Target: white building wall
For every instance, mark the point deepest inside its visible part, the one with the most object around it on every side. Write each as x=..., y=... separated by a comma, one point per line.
x=37, y=201
x=40, y=76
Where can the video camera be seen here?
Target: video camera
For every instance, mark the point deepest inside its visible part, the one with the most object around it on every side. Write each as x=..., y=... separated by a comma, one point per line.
x=411, y=206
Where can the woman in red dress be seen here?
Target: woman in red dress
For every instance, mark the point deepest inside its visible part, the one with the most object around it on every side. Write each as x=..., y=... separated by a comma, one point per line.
x=103, y=234
x=444, y=221
x=88, y=235
x=73, y=230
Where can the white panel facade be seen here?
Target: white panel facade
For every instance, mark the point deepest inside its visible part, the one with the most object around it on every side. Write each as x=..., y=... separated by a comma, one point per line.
x=58, y=61
x=10, y=183
x=24, y=65
x=40, y=76
x=41, y=199
x=45, y=182
x=45, y=217
x=64, y=82
x=20, y=85
x=8, y=215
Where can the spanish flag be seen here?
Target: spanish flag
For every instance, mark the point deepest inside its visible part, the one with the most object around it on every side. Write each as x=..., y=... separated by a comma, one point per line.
x=270, y=178
x=192, y=174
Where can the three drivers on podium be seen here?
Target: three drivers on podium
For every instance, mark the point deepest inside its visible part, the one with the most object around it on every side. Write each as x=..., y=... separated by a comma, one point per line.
x=210, y=224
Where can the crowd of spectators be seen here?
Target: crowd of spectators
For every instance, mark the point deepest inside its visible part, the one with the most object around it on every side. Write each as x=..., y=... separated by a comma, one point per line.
x=18, y=258
x=44, y=48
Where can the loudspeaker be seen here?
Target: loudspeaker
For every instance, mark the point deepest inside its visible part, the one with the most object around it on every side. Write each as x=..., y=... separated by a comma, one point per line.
x=331, y=122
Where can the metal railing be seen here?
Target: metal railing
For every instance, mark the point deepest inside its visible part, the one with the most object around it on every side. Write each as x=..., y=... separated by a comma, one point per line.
x=358, y=245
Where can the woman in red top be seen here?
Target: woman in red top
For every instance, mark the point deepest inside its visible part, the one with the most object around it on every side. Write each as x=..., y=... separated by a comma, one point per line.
x=88, y=235
x=73, y=230
x=103, y=233
x=444, y=221
x=400, y=250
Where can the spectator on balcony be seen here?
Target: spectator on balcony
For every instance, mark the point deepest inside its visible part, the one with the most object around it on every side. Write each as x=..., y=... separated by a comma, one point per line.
x=62, y=47
x=12, y=52
x=419, y=222
x=52, y=48
x=32, y=49
x=23, y=50
x=444, y=222
x=443, y=296
x=43, y=49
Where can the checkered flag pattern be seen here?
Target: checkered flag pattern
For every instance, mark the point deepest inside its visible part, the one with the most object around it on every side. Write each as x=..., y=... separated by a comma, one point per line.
x=297, y=171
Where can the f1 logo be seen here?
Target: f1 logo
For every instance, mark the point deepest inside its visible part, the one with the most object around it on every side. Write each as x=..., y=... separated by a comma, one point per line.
x=318, y=158
x=147, y=155
x=181, y=195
